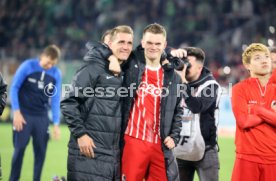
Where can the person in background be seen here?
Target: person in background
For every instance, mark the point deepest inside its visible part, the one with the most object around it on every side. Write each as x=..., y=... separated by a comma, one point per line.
x=95, y=118
x=35, y=90
x=273, y=56
x=273, y=63
x=253, y=105
x=205, y=105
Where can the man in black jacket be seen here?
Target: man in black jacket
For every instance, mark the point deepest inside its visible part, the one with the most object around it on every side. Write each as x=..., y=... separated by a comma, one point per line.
x=3, y=94
x=204, y=106
x=3, y=97
x=92, y=110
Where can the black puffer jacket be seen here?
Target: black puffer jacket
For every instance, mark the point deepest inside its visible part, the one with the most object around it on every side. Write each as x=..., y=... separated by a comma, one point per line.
x=3, y=94
x=171, y=111
x=98, y=114
x=205, y=104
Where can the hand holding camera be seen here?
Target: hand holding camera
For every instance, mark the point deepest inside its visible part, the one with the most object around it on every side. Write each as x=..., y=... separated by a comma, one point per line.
x=179, y=61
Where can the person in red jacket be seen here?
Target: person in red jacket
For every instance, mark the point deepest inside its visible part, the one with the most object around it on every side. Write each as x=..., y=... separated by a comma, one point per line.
x=253, y=104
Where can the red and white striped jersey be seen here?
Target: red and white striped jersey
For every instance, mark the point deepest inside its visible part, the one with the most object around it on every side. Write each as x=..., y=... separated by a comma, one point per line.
x=144, y=119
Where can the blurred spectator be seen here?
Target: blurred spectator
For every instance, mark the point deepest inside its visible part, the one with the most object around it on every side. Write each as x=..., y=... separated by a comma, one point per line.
x=273, y=56
x=221, y=27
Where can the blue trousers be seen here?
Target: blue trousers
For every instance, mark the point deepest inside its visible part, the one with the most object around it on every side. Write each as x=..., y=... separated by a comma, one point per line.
x=37, y=128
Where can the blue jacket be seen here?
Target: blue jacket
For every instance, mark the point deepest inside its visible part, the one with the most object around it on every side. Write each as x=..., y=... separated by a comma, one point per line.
x=34, y=90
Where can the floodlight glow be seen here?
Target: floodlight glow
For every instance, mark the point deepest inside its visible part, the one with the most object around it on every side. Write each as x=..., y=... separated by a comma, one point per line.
x=270, y=42
x=226, y=70
x=271, y=29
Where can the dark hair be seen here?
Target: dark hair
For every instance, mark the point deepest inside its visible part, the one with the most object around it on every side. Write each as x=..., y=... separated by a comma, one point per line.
x=52, y=51
x=196, y=52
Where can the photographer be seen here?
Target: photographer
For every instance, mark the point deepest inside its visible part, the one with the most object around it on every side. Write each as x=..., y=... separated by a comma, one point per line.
x=196, y=77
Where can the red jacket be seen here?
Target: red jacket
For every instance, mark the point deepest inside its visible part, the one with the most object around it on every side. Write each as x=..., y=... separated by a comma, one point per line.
x=255, y=121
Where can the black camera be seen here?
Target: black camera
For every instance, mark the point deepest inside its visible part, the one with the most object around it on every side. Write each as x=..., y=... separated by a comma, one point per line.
x=178, y=63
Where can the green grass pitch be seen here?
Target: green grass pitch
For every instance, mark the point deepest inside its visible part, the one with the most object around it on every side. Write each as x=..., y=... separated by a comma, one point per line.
x=55, y=163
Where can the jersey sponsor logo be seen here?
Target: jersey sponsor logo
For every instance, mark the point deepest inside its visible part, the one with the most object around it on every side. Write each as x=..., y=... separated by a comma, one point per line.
x=252, y=102
x=145, y=88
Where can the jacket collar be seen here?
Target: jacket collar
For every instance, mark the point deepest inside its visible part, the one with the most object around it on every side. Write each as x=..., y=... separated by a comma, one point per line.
x=204, y=76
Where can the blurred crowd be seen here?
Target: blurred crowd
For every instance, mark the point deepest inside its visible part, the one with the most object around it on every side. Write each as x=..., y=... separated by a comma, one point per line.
x=220, y=27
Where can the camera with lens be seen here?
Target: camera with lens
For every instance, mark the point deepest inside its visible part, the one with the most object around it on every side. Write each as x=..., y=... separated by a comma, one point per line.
x=178, y=63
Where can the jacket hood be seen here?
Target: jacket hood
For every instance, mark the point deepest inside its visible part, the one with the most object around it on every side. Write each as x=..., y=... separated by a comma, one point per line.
x=93, y=54
x=204, y=76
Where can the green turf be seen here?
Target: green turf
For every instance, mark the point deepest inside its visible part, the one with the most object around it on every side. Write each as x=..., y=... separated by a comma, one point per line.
x=55, y=163
x=226, y=156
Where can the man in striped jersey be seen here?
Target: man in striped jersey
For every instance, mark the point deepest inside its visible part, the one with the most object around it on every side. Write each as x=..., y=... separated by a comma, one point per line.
x=152, y=116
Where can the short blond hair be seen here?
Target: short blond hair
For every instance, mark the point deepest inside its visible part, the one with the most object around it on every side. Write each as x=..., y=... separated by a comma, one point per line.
x=254, y=47
x=120, y=29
